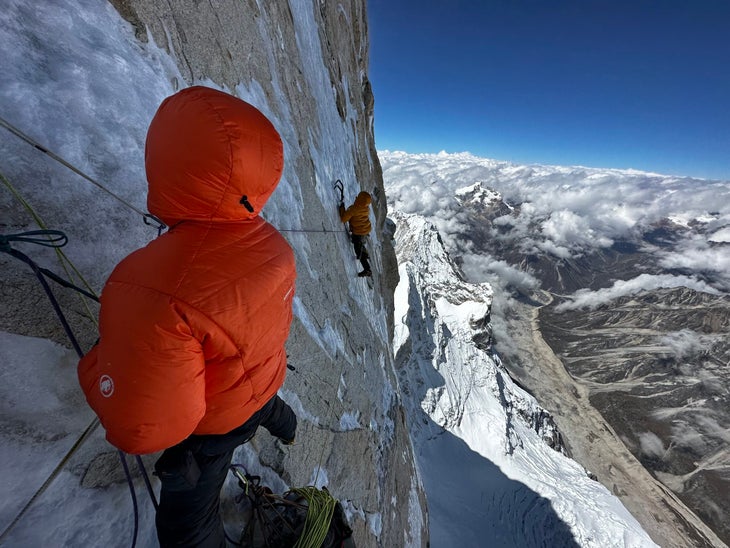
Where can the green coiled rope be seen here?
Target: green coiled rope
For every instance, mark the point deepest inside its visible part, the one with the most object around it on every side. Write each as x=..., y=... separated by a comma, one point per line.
x=319, y=516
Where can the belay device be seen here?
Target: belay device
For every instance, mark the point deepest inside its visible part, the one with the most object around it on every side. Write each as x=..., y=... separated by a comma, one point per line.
x=305, y=517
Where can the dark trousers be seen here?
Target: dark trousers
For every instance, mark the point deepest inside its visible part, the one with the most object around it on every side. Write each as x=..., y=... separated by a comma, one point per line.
x=192, y=474
x=360, y=252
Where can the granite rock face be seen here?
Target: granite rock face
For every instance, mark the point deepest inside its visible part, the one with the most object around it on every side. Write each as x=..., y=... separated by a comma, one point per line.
x=304, y=64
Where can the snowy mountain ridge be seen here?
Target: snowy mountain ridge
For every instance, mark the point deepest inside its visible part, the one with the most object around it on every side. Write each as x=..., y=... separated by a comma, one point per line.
x=515, y=168
x=476, y=193
x=563, y=212
x=463, y=406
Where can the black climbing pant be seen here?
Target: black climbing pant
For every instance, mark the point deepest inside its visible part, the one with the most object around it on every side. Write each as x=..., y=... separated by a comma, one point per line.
x=192, y=474
x=360, y=252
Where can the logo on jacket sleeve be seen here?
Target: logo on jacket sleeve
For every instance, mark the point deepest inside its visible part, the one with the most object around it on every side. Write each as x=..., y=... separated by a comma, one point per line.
x=106, y=386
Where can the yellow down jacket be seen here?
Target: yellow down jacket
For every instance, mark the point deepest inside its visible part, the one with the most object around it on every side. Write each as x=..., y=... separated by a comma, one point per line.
x=358, y=214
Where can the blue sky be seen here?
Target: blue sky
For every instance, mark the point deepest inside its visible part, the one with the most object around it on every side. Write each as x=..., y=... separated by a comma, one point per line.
x=627, y=84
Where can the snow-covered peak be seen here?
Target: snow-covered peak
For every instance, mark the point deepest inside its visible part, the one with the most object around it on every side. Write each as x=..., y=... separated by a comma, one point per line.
x=477, y=194
x=464, y=409
x=423, y=248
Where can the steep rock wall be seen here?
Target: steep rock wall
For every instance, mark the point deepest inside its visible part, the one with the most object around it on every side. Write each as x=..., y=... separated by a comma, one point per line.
x=304, y=64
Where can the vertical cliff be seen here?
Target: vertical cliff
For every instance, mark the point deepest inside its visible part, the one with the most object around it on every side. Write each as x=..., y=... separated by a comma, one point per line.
x=89, y=86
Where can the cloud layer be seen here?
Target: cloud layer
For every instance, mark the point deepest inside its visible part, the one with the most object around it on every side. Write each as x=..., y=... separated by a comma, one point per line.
x=566, y=212
x=585, y=298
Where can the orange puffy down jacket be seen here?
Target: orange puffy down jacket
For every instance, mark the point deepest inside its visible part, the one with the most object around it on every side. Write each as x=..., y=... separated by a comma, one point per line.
x=193, y=326
x=358, y=214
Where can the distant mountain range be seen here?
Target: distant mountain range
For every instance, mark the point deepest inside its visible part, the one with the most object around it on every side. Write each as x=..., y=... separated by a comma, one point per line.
x=630, y=273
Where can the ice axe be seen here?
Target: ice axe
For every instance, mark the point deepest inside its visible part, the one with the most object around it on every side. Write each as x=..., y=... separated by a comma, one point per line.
x=340, y=188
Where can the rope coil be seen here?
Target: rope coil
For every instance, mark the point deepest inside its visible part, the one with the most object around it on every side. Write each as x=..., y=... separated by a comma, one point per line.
x=54, y=238
x=303, y=513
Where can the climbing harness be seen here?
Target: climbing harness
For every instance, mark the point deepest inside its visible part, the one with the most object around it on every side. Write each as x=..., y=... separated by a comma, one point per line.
x=148, y=218
x=304, y=517
x=57, y=239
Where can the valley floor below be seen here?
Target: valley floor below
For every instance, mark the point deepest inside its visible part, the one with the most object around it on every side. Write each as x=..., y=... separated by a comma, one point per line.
x=594, y=444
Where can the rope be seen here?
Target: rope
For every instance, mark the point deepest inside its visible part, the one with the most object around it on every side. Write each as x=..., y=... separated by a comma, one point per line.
x=53, y=238
x=145, y=476
x=54, y=302
x=310, y=230
x=321, y=508
x=46, y=484
x=128, y=475
x=66, y=263
x=148, y=218
x=56, y=239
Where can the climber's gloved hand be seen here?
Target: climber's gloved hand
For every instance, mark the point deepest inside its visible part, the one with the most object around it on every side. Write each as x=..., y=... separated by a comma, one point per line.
x=281, y=421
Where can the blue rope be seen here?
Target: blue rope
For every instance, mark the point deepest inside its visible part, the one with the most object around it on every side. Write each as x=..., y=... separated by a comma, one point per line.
x=56, y=238
x=134, y=496
x=54, y=302
x=53, y=238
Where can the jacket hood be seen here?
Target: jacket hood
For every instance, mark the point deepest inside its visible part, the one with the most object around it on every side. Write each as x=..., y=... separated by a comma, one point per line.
x=363, y=199
x=210, y=156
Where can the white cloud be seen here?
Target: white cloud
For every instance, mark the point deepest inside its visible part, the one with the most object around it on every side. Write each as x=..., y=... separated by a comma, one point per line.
x=563, y=211
x=651, y=445
x=688, y=435
x=585, y=298
x=695, y=253
x=567, y=229
x=553, y=249
x=484, y=268
x=722, y=235
x=685, y=343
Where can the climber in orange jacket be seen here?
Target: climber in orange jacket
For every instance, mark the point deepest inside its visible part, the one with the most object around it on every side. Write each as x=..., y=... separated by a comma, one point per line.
x=193, y=326
x=358, y=215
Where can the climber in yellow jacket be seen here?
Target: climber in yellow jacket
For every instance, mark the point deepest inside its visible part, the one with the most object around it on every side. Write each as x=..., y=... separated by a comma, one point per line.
x=358, y=215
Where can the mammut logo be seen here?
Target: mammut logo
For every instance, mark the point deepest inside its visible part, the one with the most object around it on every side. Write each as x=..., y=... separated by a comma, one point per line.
x=106, y=386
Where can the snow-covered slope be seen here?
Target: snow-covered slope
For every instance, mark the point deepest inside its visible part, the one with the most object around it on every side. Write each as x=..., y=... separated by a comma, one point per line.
x=491, y=458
